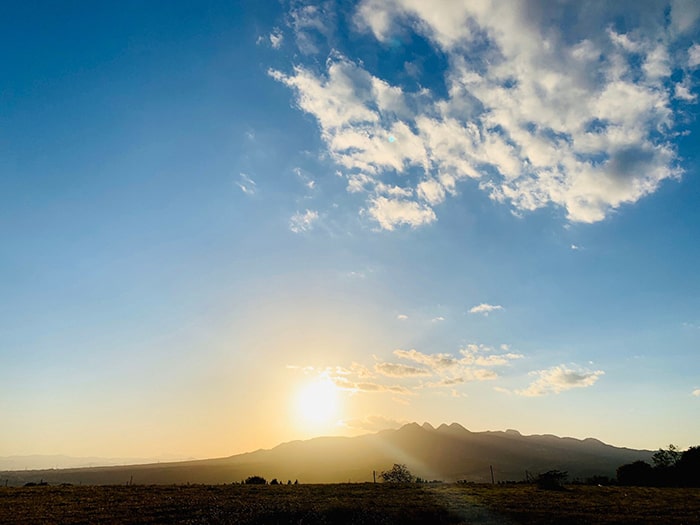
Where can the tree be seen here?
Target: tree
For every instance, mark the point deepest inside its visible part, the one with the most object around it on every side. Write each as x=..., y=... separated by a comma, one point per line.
x=552, y=480
x=639, y=473
x=666, y=458
x=689, y=468
x=255, y=480
x=397, y=474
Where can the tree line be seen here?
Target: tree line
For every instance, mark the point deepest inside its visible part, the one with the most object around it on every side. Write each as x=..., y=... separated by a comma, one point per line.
x=671, y=468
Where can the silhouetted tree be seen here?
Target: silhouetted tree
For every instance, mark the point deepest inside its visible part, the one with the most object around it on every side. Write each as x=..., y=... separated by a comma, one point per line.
x=274, y=481
x=639, y=473
x=666, y=458
x=397, y=474
x=255, y=480
x=688, y=468
x=552, y=480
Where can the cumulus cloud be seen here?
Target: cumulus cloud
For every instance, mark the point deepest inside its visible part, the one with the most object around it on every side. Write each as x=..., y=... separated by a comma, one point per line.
x=390, y=213
x=696, y=392
x=420, y=371
x=485, y=308
x=541, y=111
x=302, y=222
x=559, y=379
x=374, y=423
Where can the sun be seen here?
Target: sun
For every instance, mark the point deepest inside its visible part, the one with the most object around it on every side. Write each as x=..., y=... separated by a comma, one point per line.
x=317, y=403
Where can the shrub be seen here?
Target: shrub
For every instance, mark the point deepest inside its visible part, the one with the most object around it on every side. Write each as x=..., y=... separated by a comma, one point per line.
x=552, y=480
x=255, y=480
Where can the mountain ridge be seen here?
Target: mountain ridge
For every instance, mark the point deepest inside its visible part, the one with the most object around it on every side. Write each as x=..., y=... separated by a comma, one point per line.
x=448, y=452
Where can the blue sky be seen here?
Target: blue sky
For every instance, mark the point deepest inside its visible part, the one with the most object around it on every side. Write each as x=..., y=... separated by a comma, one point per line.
x=457, y=211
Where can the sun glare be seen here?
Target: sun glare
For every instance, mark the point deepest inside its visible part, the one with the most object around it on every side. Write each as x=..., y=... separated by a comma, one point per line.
x=317, y=402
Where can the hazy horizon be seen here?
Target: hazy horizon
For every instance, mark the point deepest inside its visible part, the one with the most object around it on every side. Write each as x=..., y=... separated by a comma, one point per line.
x=229, y=225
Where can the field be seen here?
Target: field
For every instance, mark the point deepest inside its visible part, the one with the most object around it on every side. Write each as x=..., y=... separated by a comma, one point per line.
x=346, y=504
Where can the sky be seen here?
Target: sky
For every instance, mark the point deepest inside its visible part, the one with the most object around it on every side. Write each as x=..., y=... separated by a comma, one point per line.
x=226, y=225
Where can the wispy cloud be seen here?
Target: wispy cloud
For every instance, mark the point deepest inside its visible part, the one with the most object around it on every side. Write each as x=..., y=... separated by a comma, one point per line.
x=368, y=386
x=580, y=118
x=399, y=370
x=311, y=23
x=694, y=56
x=305, y=178
x=246, y=184
x=374, y=423
x=485, y=308
x=276, y=38
x=402, y=317
x=302, y=222
x=696, y=392
x=559, y=379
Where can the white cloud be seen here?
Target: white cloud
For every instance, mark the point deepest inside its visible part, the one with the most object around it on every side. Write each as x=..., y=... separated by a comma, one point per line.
x=575, y=247
x=246, y=184
x=683, y=92
x=431, y=191
x=311, y=23
x=684, y=14
x=559, y=379
x=420, y=371
x=696, y=392
x=306, y=179
x=540, y=111
x=390, y=213
x=402, y=317
x=694, y=55
x=485, y=308
x=437, y=319
x=302, y=222
x=276, y=38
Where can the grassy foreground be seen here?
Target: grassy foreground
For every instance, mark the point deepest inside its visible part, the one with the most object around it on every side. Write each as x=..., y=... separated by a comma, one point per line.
x=347, y=504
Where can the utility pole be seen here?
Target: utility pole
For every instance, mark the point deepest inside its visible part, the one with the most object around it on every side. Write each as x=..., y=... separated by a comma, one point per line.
x=493, y=482
x=374, y=475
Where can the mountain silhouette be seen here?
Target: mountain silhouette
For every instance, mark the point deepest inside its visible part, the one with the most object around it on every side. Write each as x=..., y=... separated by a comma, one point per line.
x=448, y=452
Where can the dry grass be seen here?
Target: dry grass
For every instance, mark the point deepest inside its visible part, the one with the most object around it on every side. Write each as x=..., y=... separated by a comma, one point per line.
x=347, y=504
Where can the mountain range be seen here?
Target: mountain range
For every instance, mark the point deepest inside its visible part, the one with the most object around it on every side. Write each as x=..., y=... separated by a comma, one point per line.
x=448, y=452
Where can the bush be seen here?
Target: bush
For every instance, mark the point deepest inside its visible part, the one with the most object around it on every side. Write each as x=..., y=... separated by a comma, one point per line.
x=552, y=480
x=255, y=480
